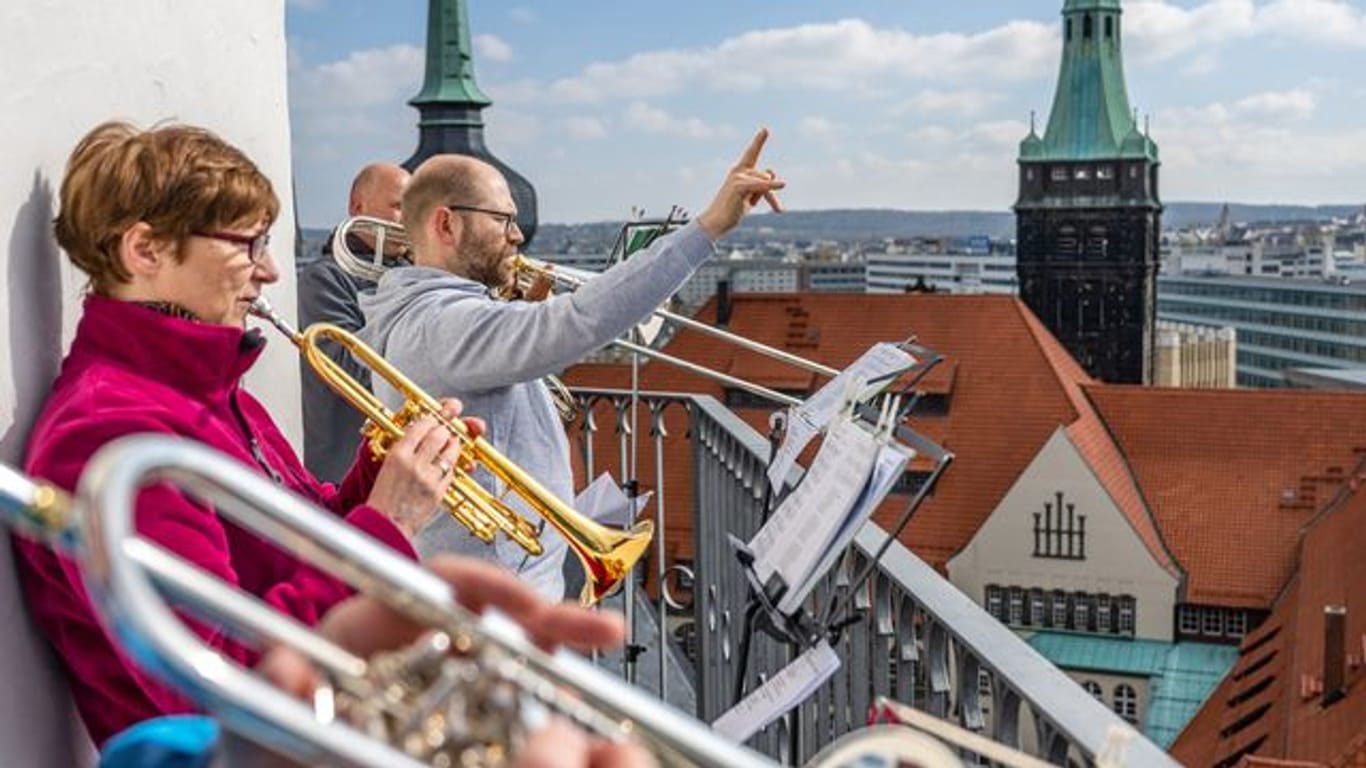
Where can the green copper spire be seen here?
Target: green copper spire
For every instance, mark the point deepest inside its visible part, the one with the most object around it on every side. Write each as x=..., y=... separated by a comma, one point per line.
x=1091, y=118
x=450, y=63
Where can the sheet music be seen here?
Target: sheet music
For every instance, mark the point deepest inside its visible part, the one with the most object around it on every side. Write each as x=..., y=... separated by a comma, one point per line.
x=605, y=502
x=891, y=460
x=796, y=537
x=877, y=365
x=785, y=690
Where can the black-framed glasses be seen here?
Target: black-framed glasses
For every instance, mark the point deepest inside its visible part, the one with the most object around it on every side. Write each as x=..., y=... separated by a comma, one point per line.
x=509, y=219
x=256, y=244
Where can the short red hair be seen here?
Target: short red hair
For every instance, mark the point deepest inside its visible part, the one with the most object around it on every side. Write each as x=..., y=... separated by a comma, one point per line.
x=178, y=179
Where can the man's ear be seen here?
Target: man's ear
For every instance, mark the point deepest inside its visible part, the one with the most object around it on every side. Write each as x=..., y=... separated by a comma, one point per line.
x=141, y=253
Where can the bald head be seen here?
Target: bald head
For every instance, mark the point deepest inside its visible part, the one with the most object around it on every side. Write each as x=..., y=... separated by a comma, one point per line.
x=378, y=191
x=447, y=180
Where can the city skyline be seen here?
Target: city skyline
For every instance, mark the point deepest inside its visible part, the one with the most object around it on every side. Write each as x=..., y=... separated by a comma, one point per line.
x=872, y=104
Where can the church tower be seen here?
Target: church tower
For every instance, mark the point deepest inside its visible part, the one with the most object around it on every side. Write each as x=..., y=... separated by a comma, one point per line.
x=450, y=105
x=1088, y=215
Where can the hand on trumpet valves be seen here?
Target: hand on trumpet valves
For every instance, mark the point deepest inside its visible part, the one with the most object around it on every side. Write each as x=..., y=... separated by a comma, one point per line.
x=745, y=185
x=417, y=470
x=366, y=626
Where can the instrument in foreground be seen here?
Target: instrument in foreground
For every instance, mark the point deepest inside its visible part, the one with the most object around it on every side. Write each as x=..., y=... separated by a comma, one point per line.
x=417, y=705
x=566, y=278
x=607, y=554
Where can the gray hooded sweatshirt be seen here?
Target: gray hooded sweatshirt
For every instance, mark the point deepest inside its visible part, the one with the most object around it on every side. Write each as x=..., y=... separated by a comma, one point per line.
x=447, y=335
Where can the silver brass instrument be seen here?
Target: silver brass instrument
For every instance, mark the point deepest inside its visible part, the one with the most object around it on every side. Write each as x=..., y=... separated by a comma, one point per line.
x=408, y=707
x=566, y=278
x=388, y=242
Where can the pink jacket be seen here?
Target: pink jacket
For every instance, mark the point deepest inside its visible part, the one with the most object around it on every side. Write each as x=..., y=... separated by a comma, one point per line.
x=132, y=369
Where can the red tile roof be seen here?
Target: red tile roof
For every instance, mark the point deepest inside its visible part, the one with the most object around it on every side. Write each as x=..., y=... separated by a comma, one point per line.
x=1213, y=462
x=1268, y=709
x=1009, y=382
x=1186, y=467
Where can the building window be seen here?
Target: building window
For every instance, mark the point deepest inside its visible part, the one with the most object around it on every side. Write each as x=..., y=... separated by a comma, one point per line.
x=1081, y=613
x=1188, y=620
x=1109, y=27
x=1236, y=623
x=1103, y=614
x=1059, y=609
x=1082, y=174
x=1126, y=702
x=1036, y=607
x=1105, y=172
x=1059, y=174
x=1212, y=622
x=1029, y=174
x=1087, y=28
x=994, y=602
x=1060, y=532
x=1016, y=606
x=1133, y=171
x=1069, y=29
x=1126, y=615
x=1093, y=688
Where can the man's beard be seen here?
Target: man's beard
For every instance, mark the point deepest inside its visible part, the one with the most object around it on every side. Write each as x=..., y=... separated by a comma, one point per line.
x=493, y=268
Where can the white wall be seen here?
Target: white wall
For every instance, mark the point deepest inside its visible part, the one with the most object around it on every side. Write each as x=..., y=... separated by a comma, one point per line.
x=65, y=66
x=1117, y=562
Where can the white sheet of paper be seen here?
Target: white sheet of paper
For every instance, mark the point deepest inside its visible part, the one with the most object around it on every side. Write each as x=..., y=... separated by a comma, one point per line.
x=785, y=690
x=796, y=537
x=814, y=415
x=891, y=460
x=604, y=501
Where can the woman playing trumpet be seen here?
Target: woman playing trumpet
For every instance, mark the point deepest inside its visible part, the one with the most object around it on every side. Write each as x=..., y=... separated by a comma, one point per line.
x=171, y=226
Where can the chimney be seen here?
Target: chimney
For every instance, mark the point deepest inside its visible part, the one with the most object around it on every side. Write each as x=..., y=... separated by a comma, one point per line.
x=723, y=305
x=1334, y=653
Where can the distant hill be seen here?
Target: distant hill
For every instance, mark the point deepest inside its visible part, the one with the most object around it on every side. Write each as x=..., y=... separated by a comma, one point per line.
x=876, y=224
x=864, y=224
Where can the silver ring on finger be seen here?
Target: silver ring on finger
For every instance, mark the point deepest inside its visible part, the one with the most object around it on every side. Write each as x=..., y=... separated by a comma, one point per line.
x=444, y=467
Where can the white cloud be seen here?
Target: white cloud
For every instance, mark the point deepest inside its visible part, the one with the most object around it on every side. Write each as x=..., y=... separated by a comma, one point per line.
x=1157, y=30
x=817, y=127
x=999, y=133
x=1326, y=21
x=962, y=101
x=837, y=56
x=1257, y=148
x=649, y=119
x=1293, y=105
x=366, y=78
x=492, y=47
x=581, y=127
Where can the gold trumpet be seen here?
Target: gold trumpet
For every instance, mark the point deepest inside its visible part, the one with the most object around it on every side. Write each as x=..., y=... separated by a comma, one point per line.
x=607, y=554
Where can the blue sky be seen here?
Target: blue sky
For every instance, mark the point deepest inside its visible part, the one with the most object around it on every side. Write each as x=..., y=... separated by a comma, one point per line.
x=912, y=104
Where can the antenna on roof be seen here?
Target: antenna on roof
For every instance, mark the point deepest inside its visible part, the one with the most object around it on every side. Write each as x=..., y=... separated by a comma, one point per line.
x=1032, y=113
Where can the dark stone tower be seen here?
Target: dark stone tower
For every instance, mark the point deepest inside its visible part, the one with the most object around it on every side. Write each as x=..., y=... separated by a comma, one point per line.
x=1088, y=218
x=450, y=105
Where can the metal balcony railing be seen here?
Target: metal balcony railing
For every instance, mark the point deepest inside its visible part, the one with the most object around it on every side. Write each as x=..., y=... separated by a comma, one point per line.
x=919, y=640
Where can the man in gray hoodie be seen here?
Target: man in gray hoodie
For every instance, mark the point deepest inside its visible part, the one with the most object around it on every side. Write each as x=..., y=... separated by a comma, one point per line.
x=437, y=322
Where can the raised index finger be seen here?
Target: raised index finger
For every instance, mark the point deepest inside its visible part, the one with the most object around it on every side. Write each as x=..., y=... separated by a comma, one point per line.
x=750, y=157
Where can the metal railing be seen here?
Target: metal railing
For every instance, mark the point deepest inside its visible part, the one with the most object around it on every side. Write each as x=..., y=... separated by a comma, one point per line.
x=920, y=640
